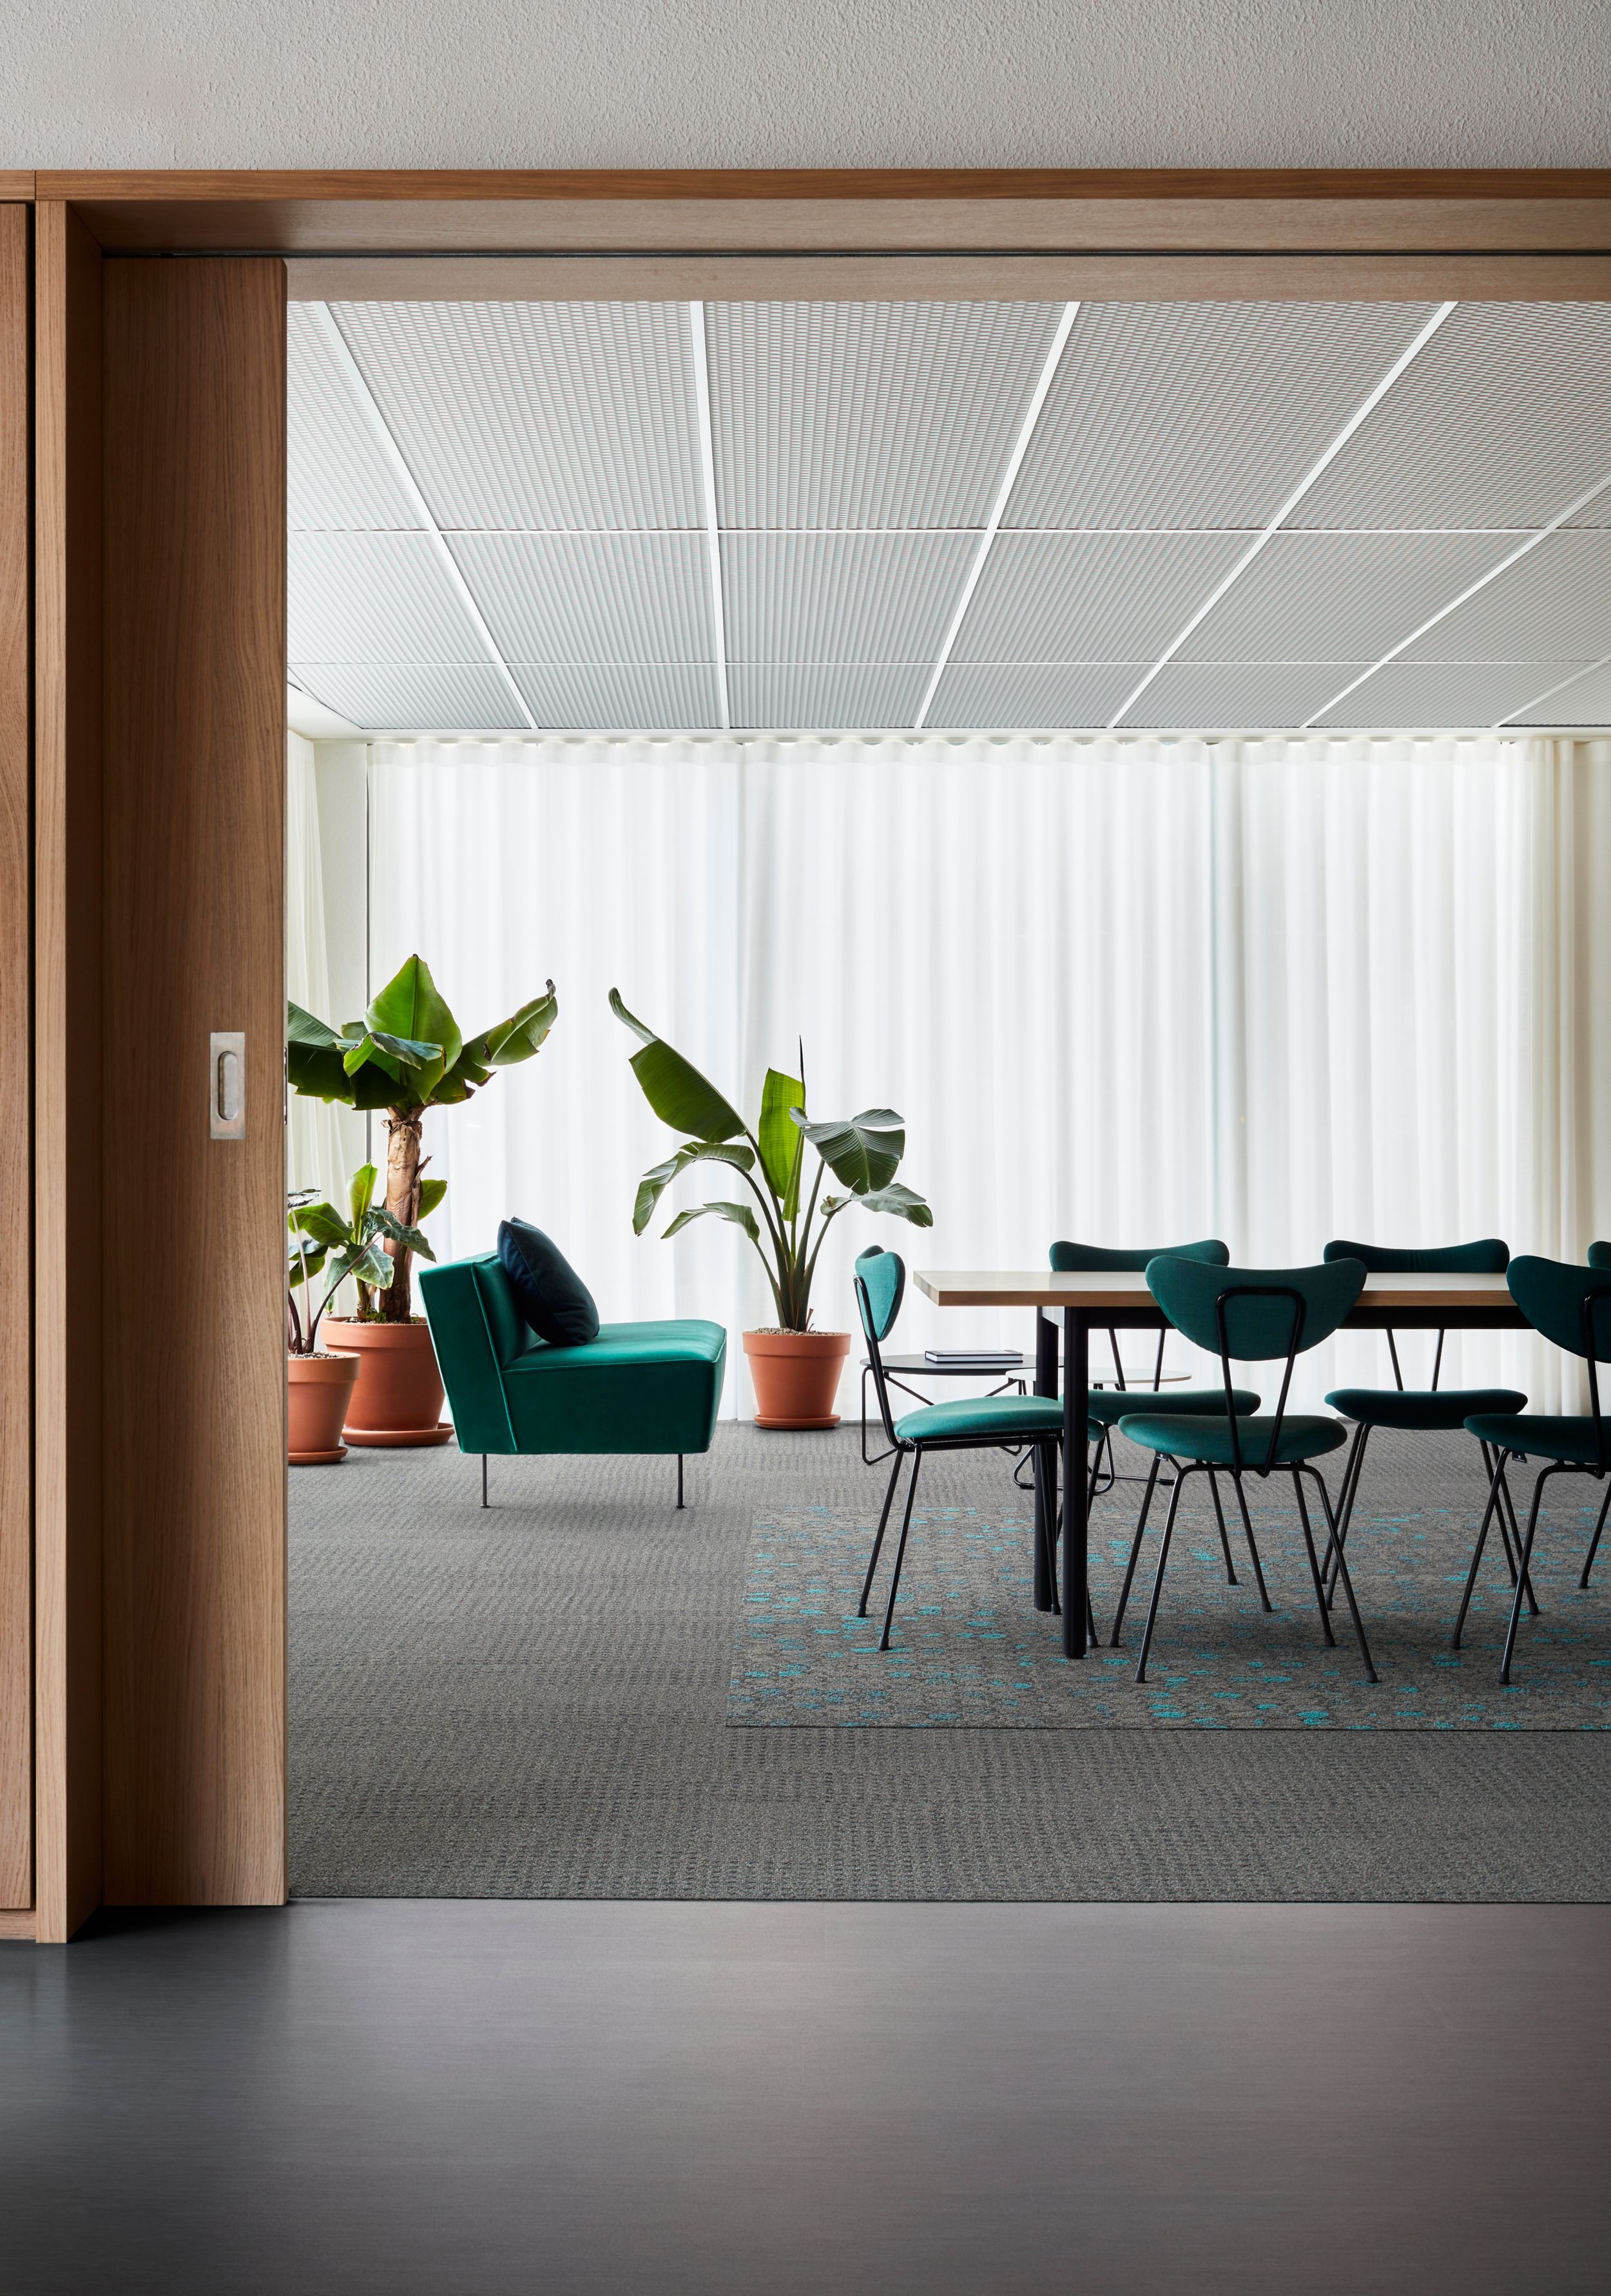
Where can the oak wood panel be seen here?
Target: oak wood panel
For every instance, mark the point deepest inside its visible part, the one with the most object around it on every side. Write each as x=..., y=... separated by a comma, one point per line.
x=1124, y=1288
x=193, y=1607
x=965, y=278
x=16, y=1303
x=17, y=183
x=16, y=1922
x=67, y=1075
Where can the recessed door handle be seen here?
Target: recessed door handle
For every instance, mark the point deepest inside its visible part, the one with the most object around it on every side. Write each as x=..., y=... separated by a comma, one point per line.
x=228, y=1083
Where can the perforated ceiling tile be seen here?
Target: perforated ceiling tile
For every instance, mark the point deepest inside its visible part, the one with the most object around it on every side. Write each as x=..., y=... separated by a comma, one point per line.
x=1090, y=598
x=1034, y=696
x=1199, y=415
x=1339, y=597
x=1552, y=605
x=841, y=597
x=375, y=597
x=1441, y=694
x=866, y=415
x=537, y=415
x=425, y=698
x=1243, y=694
x=571, y=597
x=337, y=473
x=649, y=697
x=826, y=696
x=1503, y=420
x=1584, y=700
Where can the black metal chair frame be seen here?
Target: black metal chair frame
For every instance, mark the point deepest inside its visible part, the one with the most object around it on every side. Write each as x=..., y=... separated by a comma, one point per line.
x=1599, y=1469
x=1047, y=1446
x=1239, y=1467
x=1492, y=1461
x=1014, y=1378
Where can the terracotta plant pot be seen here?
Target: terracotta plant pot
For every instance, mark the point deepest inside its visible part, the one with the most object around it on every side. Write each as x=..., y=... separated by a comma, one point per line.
x=796, y=1376
x=398, y=1401
x=318, y=1390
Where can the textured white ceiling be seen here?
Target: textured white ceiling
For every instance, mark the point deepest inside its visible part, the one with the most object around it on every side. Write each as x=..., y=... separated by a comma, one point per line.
x=675, y=516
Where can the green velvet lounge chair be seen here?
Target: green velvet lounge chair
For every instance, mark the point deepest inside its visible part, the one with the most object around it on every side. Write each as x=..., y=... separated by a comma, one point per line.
x=636, y=1388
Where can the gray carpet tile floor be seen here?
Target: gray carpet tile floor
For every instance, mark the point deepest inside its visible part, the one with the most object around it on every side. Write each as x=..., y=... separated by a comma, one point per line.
x=530, y=1702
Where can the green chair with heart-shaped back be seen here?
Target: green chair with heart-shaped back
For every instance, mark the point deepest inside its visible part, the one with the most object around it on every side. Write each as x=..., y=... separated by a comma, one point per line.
x=979, y=1423
x=1572, y=1306
x=1104, y=1406
x=1251, y=1314
x=1421, y=1410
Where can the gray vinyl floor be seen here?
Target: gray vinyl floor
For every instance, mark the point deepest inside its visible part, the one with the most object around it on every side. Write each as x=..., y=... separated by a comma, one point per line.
x=530, y=1702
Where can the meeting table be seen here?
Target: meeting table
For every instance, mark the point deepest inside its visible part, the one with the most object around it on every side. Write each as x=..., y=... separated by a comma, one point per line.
x=1121, y=1302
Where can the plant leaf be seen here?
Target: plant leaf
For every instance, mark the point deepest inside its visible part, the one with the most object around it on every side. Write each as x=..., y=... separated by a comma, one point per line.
x=655, y=1182
x=409, y=1010
x=740, y=1215
x=322, y=1222
x=360, y=1194
x=863, y=1151
x=400, y=1233
x=312, y=1056
x=432, y=1193
x=905, y=1203
x=782, y=1147
x=517, y=1037
x=461, y=1080
x=314, y=1257
x=368, y=1264
x=673, y=1086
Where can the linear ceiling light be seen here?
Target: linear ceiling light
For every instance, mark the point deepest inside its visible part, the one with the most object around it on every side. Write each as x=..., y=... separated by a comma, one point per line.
x=707, y=480
x=1470, y=591
x=369, y=407
x=998, y=509
x=1307, y=479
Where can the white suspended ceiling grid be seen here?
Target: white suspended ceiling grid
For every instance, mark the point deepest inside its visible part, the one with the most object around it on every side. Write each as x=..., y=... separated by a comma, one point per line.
x=614, y=517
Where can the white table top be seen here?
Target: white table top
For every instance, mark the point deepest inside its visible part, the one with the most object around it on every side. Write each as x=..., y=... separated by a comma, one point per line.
x=1040, y=1288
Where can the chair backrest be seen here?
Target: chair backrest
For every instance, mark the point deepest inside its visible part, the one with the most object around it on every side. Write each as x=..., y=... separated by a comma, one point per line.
x=1600, y=1255
x=879, y=1282
x=1255, y=1315
x=1099, y=1259
x=1488, y=1256
x=478, y=1331
x=1570, y=1306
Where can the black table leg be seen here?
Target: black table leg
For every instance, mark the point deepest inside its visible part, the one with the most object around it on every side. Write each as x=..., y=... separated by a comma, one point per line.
x=1076, y=1432
x=1046, y=1527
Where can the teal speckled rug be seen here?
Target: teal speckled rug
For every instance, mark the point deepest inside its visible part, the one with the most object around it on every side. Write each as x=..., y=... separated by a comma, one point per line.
x=970, y=1651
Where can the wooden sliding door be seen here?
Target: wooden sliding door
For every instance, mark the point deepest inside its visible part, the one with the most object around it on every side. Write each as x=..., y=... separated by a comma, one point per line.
x=16, y=1501
x=192, y=922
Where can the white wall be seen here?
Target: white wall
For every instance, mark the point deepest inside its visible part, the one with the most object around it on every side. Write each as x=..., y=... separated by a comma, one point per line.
x=768, y=83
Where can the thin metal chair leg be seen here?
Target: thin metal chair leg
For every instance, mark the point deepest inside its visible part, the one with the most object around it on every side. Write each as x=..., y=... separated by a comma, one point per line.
x=1230, y=1568
x=1152, y=1608
x=1507, y=1509
x=889, y=1497
x=1135, y=1550
x=906, y=1524
x=1488, y=1461
x=1515, y=1606
x=1343, y=1521
x=1477, y=1554
x=1594, y=1542
x=1258, y=1567
x=1314, y=1566
x=483, y=1479
x=1342, y=1571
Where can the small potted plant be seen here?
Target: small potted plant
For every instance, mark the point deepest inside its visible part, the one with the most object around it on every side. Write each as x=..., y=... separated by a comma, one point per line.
x=324, y=1250
x=404, y=1056
x=795, y=1368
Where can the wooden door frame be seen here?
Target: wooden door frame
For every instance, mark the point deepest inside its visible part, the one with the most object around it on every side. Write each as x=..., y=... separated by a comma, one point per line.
x=1171, y=234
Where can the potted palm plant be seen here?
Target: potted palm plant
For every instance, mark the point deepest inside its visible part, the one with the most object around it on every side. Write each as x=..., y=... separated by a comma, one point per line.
x=795, y=1367
x=324, y=1250
x=405, y=1056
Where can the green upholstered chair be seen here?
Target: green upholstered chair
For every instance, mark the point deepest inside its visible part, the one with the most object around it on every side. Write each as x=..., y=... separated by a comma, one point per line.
x=1253, y=1315
x=981, y=1423
x=1572, y=1306
x=1421, y=1409
x=1105, y=1406
x=636, y=1388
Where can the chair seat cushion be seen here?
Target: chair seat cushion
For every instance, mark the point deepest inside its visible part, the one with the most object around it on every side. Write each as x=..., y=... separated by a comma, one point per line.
x=984, y=1419
x=1107, y=1405
x=1208, y=1440
x=638, y=1387
x=1448, y=1408
x=1570, y=1440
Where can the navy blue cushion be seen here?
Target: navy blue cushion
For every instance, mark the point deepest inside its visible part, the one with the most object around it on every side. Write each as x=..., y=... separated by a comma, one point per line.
x=551, y=1295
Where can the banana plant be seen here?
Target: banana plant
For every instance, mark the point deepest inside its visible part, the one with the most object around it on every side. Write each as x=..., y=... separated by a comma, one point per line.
x=405, y=1056
x=322, y=1243
x=863, y=1154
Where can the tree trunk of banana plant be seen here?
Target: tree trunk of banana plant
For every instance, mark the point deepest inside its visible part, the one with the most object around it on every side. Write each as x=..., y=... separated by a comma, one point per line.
x=403, y=1202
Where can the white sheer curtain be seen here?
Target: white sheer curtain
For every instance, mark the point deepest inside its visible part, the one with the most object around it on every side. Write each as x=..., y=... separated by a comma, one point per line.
x=313, y=1144
x=1129, y=990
